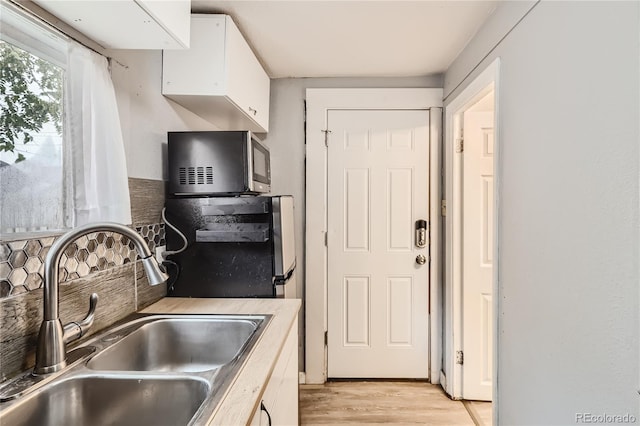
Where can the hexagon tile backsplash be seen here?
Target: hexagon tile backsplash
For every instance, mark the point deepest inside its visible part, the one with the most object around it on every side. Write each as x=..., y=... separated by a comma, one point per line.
x=22, y=262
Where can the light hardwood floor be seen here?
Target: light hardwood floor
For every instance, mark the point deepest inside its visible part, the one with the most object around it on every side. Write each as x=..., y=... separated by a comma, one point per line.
x=481, y=412
x=379, y=402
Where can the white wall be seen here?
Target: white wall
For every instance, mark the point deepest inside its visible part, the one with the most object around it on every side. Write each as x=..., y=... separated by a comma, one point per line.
x=497, y=26
x=286, y=144
x=569, y=233
x=145, y=115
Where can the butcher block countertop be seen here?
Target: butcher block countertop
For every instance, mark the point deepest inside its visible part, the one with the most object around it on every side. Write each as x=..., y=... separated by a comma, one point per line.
x=243, y=396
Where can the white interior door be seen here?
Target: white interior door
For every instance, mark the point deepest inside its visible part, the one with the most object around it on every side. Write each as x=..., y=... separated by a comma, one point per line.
x=477, y=252
x=378, y=180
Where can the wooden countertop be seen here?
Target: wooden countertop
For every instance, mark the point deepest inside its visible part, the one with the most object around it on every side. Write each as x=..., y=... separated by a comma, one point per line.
x=243, y=396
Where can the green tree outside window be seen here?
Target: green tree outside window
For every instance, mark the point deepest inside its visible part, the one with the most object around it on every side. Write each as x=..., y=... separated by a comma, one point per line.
x=30, y=96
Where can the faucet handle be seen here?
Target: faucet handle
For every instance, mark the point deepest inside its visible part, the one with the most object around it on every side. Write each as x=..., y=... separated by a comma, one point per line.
x=93, y=303
x=75, y=330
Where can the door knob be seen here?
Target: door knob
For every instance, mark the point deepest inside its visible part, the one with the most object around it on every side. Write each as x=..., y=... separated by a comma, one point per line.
x=420, y=259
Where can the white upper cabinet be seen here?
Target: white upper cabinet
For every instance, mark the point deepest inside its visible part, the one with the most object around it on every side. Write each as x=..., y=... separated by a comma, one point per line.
x=218, y=77
x=127, y=24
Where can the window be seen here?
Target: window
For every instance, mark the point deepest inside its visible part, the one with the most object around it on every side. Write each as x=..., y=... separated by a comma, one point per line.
x=33, y=195
x=62, y=159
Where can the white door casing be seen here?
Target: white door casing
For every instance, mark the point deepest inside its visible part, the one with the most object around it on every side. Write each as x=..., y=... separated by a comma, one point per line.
x=319, y=102
x=477, y=255
x=481, y=83
x=378, y=186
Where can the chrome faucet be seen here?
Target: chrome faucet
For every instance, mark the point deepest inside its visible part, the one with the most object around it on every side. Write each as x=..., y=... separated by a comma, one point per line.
x=51, y=352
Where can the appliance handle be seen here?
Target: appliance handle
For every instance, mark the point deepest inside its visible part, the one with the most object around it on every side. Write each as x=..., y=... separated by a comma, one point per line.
x=283, y=234
x=282, y=280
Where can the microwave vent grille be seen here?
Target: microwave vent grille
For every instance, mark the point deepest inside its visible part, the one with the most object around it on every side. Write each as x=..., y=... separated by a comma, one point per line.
x=199, y=175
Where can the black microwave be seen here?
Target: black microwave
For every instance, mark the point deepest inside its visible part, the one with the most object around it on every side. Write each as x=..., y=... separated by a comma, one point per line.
x=217, y=163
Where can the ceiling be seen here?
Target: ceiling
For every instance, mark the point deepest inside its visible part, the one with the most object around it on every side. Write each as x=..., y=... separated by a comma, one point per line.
x=304, y=38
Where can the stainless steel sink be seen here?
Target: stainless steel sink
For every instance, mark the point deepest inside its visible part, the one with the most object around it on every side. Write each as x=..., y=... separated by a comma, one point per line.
x=151, y=370
x=92, y=400
x=177, y=344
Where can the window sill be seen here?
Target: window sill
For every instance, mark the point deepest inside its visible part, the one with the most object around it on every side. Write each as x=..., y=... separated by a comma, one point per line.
x=21, y=236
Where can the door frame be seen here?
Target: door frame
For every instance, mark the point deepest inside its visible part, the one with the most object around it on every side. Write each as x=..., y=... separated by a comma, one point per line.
x=319, y=102
x=486, y=81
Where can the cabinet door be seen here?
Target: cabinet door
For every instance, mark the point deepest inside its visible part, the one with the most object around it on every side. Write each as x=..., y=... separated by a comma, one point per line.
x=286, y=409
x=174, y=16
x=126, y=24
x=281, y=395
x=248, y=85
x=256, y=420
x=199, y=70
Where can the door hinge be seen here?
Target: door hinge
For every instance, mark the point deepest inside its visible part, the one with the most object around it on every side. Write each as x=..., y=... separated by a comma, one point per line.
x=326, y=239
x=443, y=208
x=326, y=137
x=326, y=338
x=459, y=357
x=459, y=145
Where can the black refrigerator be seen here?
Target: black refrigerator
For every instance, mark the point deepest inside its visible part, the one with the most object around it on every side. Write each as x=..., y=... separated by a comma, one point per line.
x=230, y=246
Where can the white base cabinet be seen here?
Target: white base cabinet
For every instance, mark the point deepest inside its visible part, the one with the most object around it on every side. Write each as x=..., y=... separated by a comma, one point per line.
x=279, y=404
x=218, y=77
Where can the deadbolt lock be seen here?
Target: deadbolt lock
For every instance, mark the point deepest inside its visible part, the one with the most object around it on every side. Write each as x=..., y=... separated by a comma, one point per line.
x=420, y=259
x=421, y=233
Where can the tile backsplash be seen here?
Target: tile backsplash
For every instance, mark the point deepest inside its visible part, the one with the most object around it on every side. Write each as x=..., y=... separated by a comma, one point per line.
x=22, y=262
x=101, y=262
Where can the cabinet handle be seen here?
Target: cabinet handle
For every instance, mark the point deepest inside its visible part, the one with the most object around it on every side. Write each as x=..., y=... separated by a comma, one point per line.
x=263, y=408
x=255, y=112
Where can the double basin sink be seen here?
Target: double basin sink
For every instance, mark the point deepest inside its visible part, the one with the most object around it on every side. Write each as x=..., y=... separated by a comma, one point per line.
x=152, y=370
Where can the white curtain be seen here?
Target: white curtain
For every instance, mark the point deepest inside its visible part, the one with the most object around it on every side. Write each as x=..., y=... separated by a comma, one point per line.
x=99, y=169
